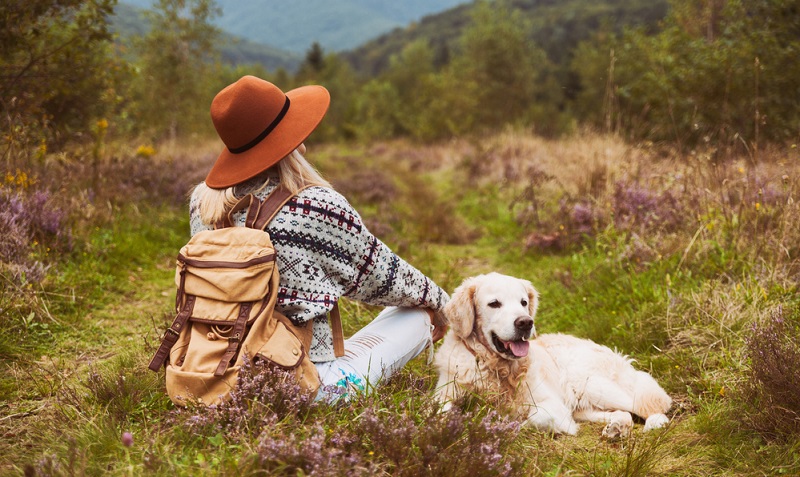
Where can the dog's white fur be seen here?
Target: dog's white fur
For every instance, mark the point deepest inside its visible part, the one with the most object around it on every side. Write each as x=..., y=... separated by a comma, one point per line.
x=560, y=380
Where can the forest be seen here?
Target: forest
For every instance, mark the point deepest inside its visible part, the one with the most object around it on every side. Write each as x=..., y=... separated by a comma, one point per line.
x=635, y=160
x=717, y=73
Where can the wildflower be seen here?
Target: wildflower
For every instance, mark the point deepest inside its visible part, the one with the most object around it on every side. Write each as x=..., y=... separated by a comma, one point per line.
x=758, y=205
x=145, y=151
x=127, y=439
x=41, y=151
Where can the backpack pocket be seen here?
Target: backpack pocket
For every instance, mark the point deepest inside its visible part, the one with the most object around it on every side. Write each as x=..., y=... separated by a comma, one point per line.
x=285, y=350
x=201, y=388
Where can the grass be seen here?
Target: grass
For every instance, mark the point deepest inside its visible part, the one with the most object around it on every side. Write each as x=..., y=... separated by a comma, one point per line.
x=688, y=264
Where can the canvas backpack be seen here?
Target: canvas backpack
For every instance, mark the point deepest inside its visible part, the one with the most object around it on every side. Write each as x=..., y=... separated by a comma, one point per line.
x=227, y=286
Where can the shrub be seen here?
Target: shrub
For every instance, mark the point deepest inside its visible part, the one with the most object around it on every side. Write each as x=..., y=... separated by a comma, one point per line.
x=638, y=208
x=292, y=453
x=773, y=386
x=634, y=209
x=264, y=395
x=32, y=223
x=428, y=442
x=122, y=388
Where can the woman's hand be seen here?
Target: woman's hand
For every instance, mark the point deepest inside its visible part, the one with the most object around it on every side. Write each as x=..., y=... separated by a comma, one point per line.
x=439, y=323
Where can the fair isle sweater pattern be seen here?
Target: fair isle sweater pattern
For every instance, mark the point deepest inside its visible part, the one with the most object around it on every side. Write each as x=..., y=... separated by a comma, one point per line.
x=324, y=252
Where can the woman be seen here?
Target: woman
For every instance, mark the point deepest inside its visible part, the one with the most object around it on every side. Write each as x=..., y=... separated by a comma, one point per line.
x=324, y=251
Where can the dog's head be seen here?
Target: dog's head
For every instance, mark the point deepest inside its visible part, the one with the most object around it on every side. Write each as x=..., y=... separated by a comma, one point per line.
x=497, y=310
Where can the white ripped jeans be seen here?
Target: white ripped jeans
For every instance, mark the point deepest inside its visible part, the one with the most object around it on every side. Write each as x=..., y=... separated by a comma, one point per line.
x=386, y=344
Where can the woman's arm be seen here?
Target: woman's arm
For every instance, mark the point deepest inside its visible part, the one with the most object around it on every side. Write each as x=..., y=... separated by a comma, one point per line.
x=383, y=278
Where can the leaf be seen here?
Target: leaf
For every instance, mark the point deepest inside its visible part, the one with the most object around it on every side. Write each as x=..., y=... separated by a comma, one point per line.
x=217, y=440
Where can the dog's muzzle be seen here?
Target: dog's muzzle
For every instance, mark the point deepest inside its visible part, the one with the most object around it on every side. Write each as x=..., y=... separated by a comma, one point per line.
x=519, y=346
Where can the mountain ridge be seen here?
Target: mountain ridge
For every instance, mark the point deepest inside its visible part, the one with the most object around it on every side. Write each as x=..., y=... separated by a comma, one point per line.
x=336, y=26
x=129, y=20
x=557, y=26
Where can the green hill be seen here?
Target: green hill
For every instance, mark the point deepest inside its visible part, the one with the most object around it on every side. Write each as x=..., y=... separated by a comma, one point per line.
x=128, y=20
x=556, y=25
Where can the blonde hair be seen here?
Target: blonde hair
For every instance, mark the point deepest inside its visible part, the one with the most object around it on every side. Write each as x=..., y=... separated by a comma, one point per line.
x=294, y=172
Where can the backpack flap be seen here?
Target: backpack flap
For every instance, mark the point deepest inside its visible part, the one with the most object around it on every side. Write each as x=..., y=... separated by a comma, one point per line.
x=234, y=264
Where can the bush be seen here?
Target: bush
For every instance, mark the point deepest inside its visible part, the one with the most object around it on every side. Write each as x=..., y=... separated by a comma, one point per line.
x=264, y=396
x=34, y=227
x=773, y=386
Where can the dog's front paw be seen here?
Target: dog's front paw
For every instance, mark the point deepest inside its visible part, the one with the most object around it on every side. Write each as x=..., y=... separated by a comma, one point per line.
x=619, y=427
x=446, y=406
x=571, y=429
x=656, y=421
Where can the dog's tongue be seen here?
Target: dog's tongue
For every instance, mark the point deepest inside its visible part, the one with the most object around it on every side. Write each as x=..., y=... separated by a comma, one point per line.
x=519, y=348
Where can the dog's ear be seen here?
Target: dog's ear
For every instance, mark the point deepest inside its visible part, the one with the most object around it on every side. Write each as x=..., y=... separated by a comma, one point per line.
x=460, y=310
x=533, y=298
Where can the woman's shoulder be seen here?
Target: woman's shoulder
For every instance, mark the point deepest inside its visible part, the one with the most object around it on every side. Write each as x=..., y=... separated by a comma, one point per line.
x=328, y=206
x=318, y=199
x=324, y=195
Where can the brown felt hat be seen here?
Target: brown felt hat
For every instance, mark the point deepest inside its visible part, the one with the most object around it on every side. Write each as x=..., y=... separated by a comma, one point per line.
x=260, y=125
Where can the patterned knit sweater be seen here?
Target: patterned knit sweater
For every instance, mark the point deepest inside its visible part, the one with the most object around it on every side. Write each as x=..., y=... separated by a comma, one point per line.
x=324, y=252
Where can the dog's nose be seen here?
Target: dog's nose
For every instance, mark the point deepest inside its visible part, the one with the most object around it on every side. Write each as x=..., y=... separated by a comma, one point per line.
x=524, y=324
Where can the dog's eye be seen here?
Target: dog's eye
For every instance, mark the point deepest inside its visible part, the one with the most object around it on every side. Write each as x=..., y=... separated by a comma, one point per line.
x=495, y=304
x=524, y=302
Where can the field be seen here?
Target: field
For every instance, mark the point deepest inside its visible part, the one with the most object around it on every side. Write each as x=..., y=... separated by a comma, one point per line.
x=686, y=261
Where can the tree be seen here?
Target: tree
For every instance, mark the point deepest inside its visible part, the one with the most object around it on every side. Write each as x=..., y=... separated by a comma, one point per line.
x=719, y=72
x=412, y=99
x=498, y=65
x=176, y=59
x=411, y=74
x=56, y=64
x=338, y=77
x=314, y=62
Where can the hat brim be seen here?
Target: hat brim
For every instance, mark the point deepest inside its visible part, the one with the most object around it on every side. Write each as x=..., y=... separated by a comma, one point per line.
x=308, y=105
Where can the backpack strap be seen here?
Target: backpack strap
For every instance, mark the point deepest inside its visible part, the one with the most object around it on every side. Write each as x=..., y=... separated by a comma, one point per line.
x=271, y=206
x=250, y=202
x=237, y=336
x=268, y=210
x=338, y=333
x=172, y=334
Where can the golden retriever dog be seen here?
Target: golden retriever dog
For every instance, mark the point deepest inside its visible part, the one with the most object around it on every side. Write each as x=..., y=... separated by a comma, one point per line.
x=553, y=380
